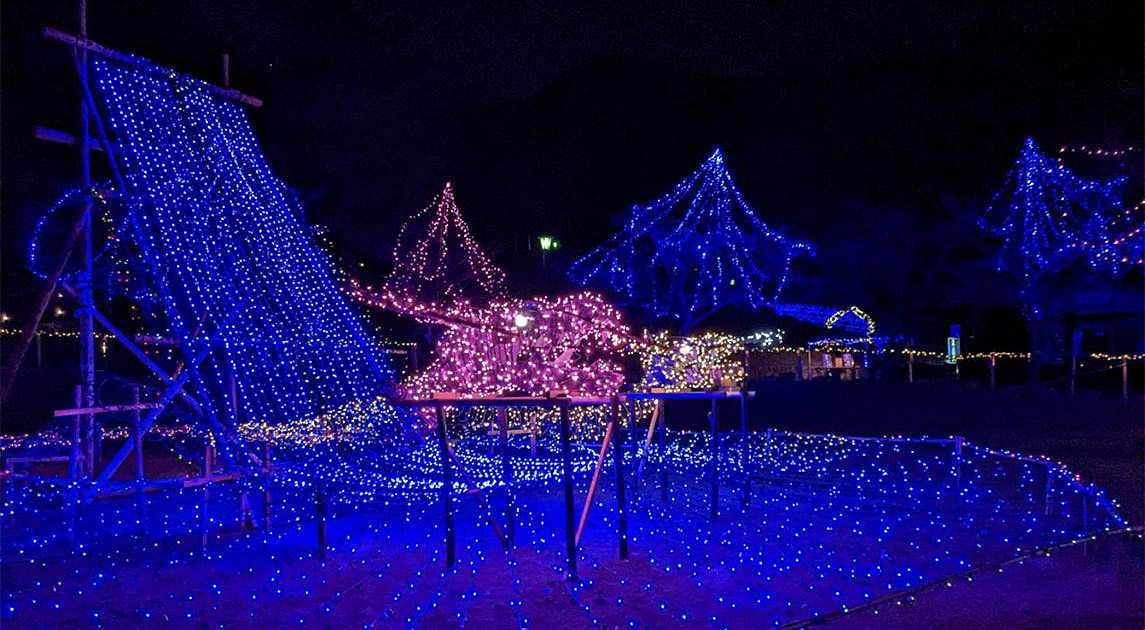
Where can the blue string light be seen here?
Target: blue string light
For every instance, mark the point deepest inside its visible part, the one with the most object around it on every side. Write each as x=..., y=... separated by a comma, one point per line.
x=836, y=522
x=1047, y=217
x=233, y=264
x=695, y=250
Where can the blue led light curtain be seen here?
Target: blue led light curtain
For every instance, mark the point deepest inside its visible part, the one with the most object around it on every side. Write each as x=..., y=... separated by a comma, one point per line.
x=232, y=261
x=692, y=251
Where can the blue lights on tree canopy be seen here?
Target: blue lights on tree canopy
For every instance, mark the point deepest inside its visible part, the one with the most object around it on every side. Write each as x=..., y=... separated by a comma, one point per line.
x=237, y=272
x=1048, y=217
x=693, y=251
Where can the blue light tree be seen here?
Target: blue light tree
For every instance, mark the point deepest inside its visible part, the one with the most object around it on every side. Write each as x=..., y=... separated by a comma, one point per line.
x=1049, y=218
x=692, y=252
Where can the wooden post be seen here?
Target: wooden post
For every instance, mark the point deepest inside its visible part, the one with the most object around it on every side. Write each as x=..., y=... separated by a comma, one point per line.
x=206, y=520
x=320, y=510
x=208, y=468
x=656, y=410
x=993, y=361
x=745, y=453
x=633, y=436
x=958, y=462
x=266, y=487
x=138, y=435
x=246, y=516
x=604, y=444
x=621, y=502
x=75, y=464
x=84, y=278
x=663, y=448
x=1073, y=368
x=637, y=479
x=506, y=474
x=910, y=366
x=1085, y=523
x=1125, y=381
x=715, y=465
x=96, y=443
x=447, y=489
x=570, y=518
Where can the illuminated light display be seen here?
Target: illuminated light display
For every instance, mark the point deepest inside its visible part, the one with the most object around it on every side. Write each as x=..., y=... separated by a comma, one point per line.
x=884, y=518
x=693, y=251
x=835, y=523
x=1047, y=216
x=114, y=267
x=1120, y=243
x=573, y=343
x=833, y=320
x=705, y=361
x=529, y=346
x=764, y=339
x=1097, y=151
x=222, y=241
x=436, y=261
x=534, y=346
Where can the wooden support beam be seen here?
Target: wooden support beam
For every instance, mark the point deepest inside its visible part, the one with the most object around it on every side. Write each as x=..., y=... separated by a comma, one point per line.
x=745, y=452
x=163, y=401
x=134, y=350
x=621, y=501
x=14, y=358
x=595, y=478
x=61, y=413
x=137, y=434
x=502, y=415
x=475, y=490
x=447, y=490
x=662, y=441
x=570, y=517
x=320, y=509
x=648, y=439
x=138, y=62
x=55, y=136
x=715, y=465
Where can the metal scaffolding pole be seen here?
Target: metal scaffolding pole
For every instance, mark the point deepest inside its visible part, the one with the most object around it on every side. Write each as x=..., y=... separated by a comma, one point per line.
x=87, y=331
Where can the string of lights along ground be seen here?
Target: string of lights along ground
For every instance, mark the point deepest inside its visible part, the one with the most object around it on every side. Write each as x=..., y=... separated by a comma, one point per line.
x=830, y=523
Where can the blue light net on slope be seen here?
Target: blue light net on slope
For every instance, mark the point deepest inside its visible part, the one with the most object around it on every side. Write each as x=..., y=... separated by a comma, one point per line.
x=239, y=279
x=692, y=251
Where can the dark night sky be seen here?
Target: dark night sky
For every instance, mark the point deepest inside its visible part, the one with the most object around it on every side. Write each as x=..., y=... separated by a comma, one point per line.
x=858, y=126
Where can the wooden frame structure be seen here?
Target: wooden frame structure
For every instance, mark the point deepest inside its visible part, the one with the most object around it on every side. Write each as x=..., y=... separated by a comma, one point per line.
x=83, y=456
x=563, y=404
x=713, y=423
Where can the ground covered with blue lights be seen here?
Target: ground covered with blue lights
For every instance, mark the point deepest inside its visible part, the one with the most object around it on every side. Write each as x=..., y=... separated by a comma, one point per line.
x=833, y=524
